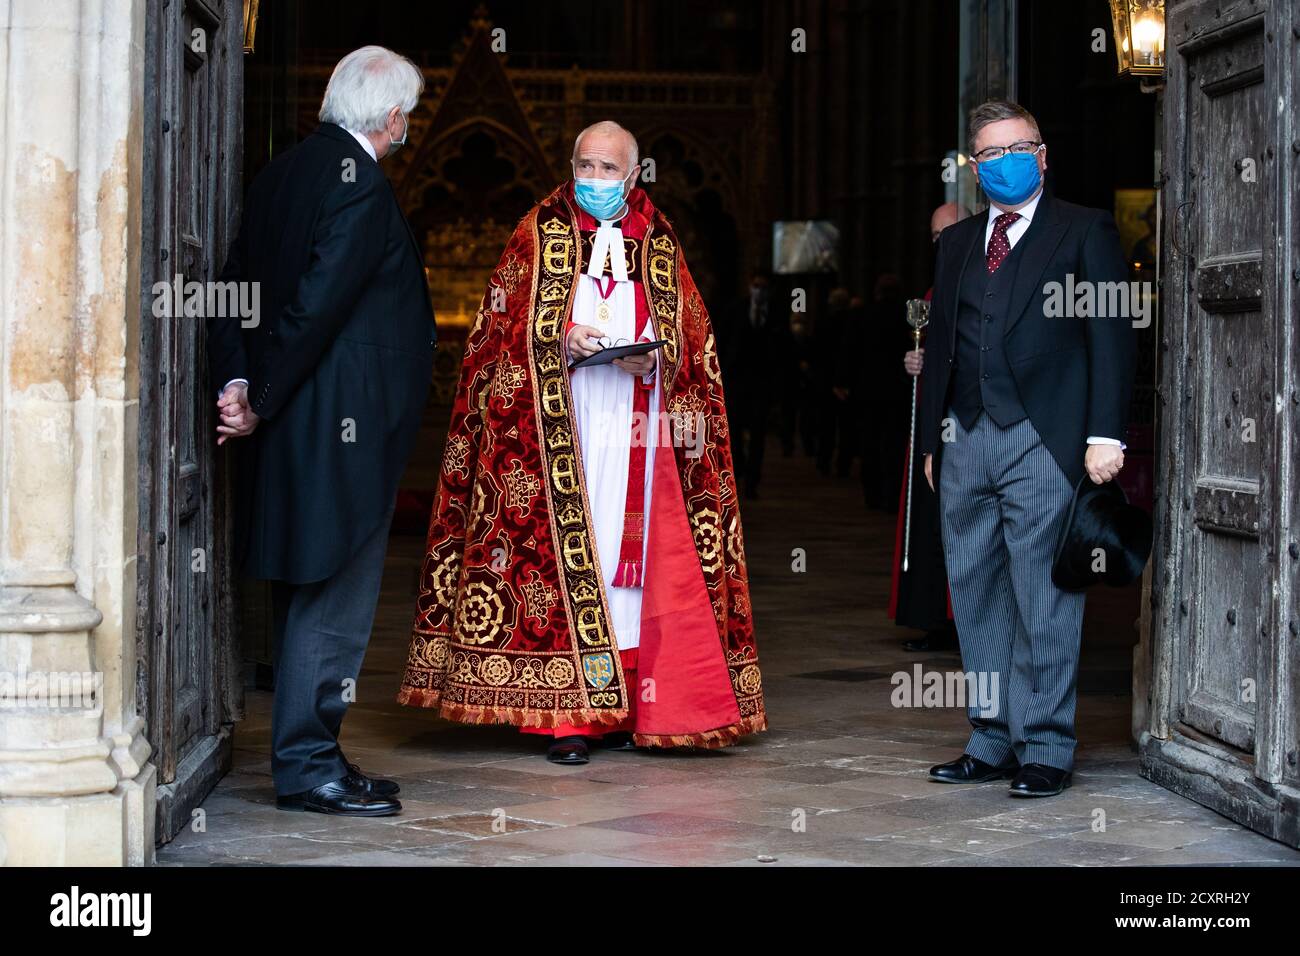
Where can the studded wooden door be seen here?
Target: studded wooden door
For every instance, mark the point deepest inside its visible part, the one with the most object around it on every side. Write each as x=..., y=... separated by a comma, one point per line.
x=1224, y=715
x=188, y=680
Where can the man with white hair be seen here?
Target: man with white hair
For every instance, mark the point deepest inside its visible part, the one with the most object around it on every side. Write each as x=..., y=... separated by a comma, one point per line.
x=327, y=388
x=585, y=575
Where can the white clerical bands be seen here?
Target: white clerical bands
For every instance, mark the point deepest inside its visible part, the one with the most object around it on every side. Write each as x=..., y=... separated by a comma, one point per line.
x=606, y=237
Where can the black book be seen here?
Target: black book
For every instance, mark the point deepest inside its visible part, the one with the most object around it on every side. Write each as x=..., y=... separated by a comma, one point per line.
x=607, y=355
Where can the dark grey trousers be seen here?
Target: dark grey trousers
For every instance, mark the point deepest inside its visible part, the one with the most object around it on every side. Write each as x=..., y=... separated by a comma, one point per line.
x=1003, y=498
x=322, y=630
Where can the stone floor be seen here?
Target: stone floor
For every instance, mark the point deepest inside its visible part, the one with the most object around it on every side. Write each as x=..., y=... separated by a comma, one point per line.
x=840, y=778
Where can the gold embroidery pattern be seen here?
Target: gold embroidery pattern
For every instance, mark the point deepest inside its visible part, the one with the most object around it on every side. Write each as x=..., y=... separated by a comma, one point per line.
x=482, y=615
x=740, y=604
x=661, y=269
x=429, y=651
x=521, y=488
x=455, y=460
x=512, y=273
x=747, y=680
x=695, y=310
x=494, y=670
x=482, y=318
x=539, y=598
x=736, y=544
x=686, y=410
x=443, y=574
x=558, y=673
x=708, y=539
x=509, y=378
x=711, y=367
x=579, y=575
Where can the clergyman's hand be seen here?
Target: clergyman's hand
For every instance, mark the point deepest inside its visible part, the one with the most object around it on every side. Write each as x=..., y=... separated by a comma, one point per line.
x=583, y=342
x=237, y=416
x=914, y=361
x=637, y=365
x=1103, y=462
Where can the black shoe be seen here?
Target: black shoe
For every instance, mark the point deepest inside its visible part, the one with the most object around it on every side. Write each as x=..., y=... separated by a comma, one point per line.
x=1039, y=780
x=939, y=639
x=349, y=796
x=619, y=740
x=568, y=750
x=378, y=786
x=966, y=769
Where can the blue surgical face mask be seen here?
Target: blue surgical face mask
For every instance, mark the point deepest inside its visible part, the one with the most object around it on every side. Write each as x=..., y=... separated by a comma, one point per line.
x=1011, y=179
x=603, y=198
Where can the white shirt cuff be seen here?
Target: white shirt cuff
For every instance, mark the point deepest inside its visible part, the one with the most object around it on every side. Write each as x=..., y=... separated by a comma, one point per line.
x=233, y=381
x=1095, y=440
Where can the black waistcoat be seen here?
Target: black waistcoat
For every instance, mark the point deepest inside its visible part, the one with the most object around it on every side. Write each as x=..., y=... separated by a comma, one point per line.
x=982, y=378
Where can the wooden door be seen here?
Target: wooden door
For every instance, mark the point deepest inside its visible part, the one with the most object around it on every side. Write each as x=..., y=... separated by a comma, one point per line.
x=188, y=681
x=1223, y=723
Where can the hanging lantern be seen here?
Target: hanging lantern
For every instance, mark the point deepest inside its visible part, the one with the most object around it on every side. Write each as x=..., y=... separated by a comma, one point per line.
x=250, y=24
x=1139, y=36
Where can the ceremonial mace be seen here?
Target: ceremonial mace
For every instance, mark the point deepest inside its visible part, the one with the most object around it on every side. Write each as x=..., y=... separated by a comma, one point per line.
x=918, y=317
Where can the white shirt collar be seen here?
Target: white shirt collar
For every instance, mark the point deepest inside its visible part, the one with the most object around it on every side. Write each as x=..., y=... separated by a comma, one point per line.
x=365, y=143
x=1026, y=214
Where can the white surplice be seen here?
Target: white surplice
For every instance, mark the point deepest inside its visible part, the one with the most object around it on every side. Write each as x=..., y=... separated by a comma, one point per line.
x=602, y=399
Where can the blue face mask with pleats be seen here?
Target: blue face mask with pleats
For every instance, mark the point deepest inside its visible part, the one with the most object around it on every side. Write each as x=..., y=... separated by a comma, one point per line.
x=1010, y=179
x=603, y=198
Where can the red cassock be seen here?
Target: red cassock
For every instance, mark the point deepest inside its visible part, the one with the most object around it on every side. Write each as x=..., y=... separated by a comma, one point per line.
x=512, y=622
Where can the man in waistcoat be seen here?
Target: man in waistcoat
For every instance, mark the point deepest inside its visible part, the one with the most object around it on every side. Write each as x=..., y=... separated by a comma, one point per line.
x=1021, y=398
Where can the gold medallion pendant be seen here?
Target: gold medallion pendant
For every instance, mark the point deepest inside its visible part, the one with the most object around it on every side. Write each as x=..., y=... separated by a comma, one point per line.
x=603, y=313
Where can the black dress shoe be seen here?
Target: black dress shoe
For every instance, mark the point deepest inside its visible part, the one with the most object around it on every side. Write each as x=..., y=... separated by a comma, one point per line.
x=939, y=639
x=349, y=796
x=568, y=750
x=378, y=786
x=619, y=740
x=966, y=769
x=1039, y=780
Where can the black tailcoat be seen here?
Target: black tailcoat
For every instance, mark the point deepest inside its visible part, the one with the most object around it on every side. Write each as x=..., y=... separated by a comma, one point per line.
x=338, y=363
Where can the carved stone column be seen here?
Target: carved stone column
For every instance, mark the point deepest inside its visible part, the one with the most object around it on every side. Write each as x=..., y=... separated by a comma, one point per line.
x=75, y=785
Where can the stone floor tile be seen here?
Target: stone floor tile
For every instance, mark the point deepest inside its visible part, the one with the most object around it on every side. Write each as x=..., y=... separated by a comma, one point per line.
x=854, y=766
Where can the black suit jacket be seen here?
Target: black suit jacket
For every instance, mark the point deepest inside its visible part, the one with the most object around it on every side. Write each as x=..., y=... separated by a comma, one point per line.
x=1074, y=375
x=338, y=363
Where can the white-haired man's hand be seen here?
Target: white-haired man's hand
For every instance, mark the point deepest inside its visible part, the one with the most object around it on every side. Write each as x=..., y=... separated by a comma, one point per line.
x=237, y=416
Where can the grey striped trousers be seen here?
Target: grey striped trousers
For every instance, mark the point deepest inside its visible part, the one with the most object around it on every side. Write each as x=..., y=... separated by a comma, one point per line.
x=1003, y=498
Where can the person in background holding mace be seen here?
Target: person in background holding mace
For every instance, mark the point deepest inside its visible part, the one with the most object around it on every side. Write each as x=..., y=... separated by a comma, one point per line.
x=919, y=592
x=918, y=316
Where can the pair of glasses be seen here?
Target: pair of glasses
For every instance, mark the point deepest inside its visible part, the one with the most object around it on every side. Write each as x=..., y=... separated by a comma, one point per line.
x=997, y=152
x=605, y=343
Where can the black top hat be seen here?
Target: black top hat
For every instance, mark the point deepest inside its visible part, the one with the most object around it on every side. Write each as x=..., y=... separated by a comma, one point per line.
x=1104, y=538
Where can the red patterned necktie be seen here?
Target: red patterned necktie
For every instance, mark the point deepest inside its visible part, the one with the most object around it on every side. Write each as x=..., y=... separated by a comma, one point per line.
x=999, y=247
